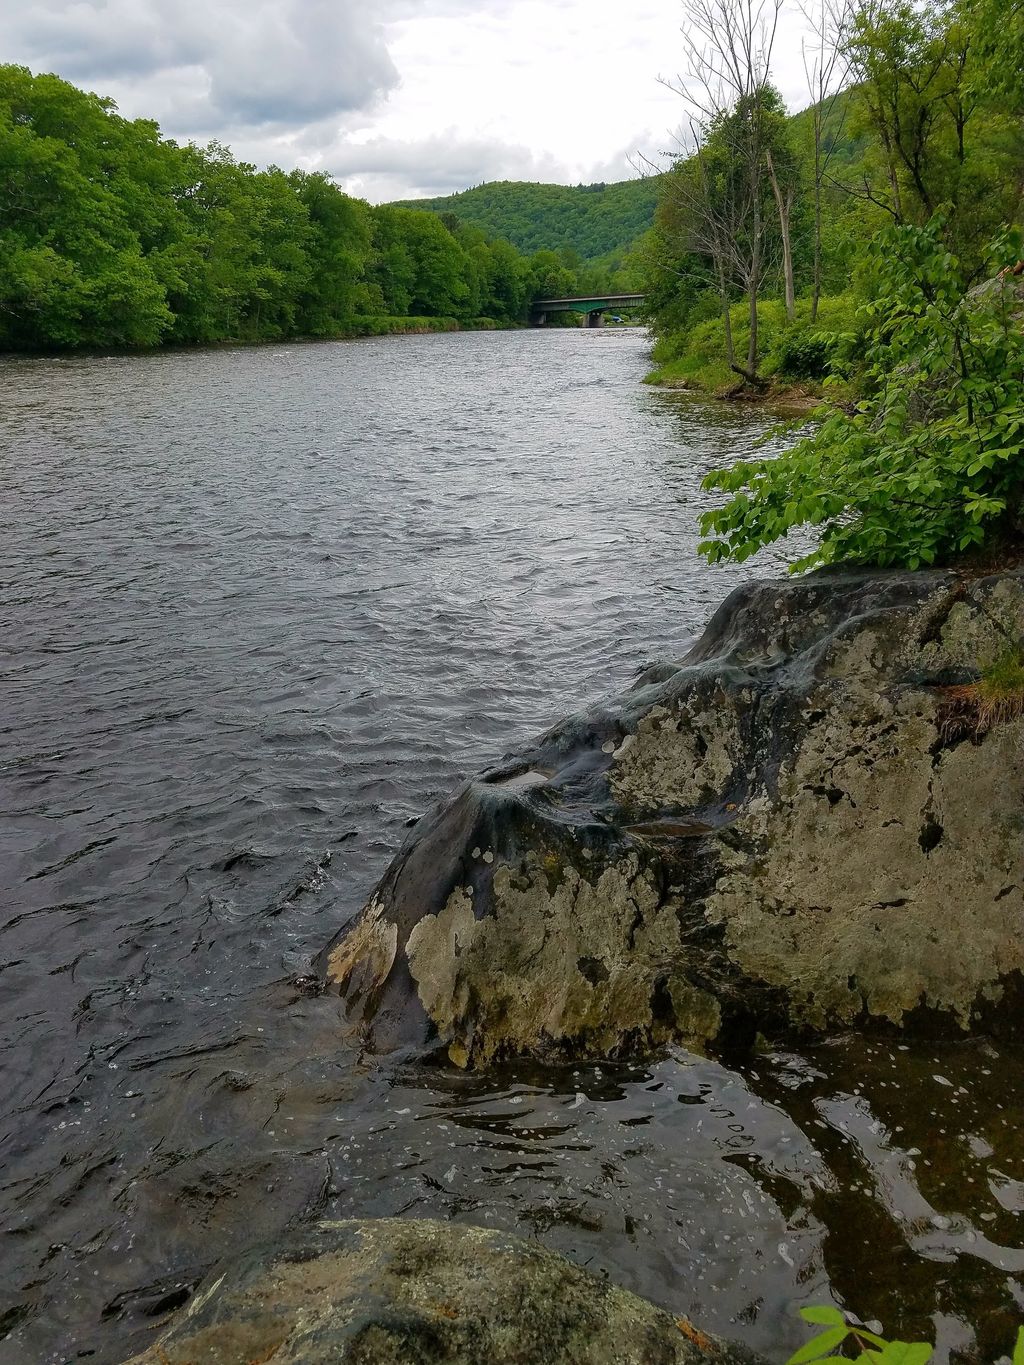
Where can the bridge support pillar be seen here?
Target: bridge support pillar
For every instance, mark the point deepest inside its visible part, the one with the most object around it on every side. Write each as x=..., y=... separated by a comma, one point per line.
x=595, y=319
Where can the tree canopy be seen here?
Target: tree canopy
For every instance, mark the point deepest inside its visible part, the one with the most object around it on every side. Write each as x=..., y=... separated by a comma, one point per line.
x=111, y=235
x=846, y=246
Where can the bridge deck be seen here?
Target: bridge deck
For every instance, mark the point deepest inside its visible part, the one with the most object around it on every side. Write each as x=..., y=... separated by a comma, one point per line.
x=608, y=300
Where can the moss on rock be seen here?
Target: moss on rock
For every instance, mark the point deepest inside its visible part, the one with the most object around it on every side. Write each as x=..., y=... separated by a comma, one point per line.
x=412, y=1292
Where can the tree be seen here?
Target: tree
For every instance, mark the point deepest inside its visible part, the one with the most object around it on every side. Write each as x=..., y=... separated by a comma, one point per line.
x=998, y=28
x=421, y=268
x=826, y=66
x=250, y=266
x=930, y=465
x=910, y=66
x=729, y=100
x=503, y=282
x=338, y=251
x=548, y=277
x=73, y=271
x=784, y=177
x=718, y=205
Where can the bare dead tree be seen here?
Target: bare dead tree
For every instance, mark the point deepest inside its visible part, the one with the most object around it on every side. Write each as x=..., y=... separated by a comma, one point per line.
x=784, y=196
x=705, y=211
x=728, y=46
x=827, y=70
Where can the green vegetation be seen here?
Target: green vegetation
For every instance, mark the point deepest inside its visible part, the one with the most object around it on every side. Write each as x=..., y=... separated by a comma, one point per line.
x=1002, y=682
x=931, y=464
x=868, y=1345
x=798, y=353
x=111, y=235
x=592, y=228
x=996, y=697
x=867, y=251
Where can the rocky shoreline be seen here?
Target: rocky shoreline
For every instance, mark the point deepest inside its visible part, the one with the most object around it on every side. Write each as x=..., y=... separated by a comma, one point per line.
x=797, y=829
x=789, y=831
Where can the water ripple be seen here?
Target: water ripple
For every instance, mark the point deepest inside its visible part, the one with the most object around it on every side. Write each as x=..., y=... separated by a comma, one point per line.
x=258, y=610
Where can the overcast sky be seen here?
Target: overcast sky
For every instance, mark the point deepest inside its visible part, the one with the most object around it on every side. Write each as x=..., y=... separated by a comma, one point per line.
x=396, y=98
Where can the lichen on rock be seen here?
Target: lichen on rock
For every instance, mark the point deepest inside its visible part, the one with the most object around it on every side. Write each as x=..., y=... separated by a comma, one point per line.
x=412, y=1292
x=779, y=833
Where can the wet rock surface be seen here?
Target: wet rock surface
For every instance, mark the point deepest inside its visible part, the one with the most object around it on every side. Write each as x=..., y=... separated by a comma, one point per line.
x=398, y=1292
x=788, y=831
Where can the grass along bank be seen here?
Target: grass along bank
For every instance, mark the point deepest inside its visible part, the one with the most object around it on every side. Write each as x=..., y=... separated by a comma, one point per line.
x=798, y=355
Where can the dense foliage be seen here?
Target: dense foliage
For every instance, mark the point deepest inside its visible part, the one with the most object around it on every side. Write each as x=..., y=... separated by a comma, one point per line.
x=891, y=198
x=113, y=235
x=932, y=463
x=593, y=225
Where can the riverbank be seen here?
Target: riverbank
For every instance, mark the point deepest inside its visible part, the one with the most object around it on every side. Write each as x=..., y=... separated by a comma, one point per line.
x=411, y=326
x=787, y=397
x=353, y=329
x=795, y=354
x=808, y=824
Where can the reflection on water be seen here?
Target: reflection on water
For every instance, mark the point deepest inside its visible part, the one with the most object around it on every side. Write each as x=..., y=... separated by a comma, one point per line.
x=258, y=609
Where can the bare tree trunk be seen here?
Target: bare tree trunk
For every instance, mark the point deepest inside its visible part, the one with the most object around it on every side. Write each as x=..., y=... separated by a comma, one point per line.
x=784, y=204
x=894, y=180
x=818, y=177
x=754, y=284
x=730, y=350
x=827, y=68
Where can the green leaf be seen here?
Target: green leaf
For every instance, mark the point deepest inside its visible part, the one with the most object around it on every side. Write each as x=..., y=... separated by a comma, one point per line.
x=820, y=1346
x=863, y=1334
x=824, y=1315
x=906, y=1353
x=1018, y=1350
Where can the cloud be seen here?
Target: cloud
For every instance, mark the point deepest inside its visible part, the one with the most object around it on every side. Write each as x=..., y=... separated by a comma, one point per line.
x=383, y=167
x=239, y=63
x=397, y=98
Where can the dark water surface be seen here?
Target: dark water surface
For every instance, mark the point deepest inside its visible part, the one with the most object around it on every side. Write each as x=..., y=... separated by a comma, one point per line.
x=258, y=610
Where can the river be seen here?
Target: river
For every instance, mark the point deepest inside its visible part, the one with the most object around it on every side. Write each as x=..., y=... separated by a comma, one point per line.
x=259, y=608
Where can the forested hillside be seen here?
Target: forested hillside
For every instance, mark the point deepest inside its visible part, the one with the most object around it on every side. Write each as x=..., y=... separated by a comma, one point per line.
x=112, y=235
x=872, y=249
x=762, y=247
x=594, y=223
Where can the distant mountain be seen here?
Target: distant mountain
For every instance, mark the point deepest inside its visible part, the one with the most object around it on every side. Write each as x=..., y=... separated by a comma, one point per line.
x=601, y=223
x=598, y=222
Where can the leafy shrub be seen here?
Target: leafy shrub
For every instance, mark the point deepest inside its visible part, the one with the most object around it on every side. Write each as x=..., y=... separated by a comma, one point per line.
x=932, y=463
x=374, y=326
x=802, y=355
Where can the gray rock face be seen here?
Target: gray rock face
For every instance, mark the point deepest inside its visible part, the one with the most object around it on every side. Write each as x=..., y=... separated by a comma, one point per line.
x=790, y=830
x=396, y=1292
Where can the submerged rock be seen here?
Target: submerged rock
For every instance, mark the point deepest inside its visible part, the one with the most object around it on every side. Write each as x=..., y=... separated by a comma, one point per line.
x=397, y=1292
x=790, y=830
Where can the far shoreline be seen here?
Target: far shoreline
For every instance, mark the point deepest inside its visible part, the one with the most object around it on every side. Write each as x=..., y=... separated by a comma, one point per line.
x=418, y=327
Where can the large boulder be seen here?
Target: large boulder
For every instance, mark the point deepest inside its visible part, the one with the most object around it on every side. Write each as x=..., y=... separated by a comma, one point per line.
x=397, y=1292
x=796, y=828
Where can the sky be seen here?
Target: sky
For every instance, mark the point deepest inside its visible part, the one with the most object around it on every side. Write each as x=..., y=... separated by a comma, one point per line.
x=395, y=98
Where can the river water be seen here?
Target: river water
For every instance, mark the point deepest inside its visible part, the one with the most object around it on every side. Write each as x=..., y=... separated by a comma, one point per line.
x=258, y=610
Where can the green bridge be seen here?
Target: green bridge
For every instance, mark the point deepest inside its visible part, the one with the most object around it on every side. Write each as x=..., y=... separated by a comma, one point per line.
x=592, y=309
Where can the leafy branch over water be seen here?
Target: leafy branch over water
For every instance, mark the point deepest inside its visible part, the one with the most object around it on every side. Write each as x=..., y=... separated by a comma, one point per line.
x=931, y=465
x=869, y=1345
